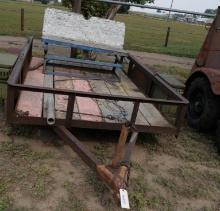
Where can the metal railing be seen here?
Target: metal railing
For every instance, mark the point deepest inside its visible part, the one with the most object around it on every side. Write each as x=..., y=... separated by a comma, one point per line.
x=157, y=8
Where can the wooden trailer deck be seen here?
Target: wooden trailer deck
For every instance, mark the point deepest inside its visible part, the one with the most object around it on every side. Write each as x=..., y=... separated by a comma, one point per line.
x=91, y=97
x=87, y=109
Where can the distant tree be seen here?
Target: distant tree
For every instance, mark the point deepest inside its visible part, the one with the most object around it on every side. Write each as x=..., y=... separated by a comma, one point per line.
x=177, y=16
x=101, y=9
x=44, y=1
x=158, y=11
x=211, y=11
x=124, y=9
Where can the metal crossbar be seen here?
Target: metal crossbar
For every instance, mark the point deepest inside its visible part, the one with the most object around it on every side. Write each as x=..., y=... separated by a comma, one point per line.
x=158, y=8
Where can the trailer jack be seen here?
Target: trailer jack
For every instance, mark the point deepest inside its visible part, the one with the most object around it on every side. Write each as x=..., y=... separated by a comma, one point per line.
x=116, y=174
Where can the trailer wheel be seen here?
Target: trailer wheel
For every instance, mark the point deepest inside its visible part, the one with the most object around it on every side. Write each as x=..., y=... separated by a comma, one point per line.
x=218, y=136
x=203, y=109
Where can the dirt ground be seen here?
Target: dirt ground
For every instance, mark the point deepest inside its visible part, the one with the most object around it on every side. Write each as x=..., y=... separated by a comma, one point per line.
x=38, y=172
x=13, y=44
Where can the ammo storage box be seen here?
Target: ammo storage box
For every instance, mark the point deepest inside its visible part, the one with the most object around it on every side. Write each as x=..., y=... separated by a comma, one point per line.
x=7, y=61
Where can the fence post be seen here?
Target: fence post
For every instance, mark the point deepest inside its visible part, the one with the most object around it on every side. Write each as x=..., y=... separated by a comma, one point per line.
x=22, y=19
x=76, y=9
x=167, y=37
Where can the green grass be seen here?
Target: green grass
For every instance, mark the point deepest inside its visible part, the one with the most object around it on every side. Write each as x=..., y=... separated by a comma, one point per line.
x=100, y=189
x=26, y=169
x=148, y=34
x=39, y=189
x=73, y=202
x=4, y=204
x=169, y=174
x=10, y=18
x=186, y=190
x=142, y=33
x=180, y=72
x=158, y=202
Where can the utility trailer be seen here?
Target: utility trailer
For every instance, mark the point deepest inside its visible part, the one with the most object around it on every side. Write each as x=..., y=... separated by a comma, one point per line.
x=118, y=99
x=115, y=93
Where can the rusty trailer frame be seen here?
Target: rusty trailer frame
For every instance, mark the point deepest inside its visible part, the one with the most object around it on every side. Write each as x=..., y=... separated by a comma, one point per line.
x=116, y=174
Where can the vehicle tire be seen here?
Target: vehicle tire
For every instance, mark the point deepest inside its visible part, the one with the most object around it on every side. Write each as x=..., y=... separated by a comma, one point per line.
x=203, y=108
x=218, y=136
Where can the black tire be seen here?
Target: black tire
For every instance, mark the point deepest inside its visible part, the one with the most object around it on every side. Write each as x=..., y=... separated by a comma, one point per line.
x=203, y=109
x=218, y=136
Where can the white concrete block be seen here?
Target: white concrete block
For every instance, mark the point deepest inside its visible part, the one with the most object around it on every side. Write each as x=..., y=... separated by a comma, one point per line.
x=74, y=27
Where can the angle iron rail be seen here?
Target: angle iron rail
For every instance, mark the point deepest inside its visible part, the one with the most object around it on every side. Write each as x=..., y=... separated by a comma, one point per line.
x=16, y=75
x=77, y=45
x=155, y=78
x=77, y=146
x=82, y=61
x=21, y=61
x=96, y=96
x=14, y=119
x=15, y=85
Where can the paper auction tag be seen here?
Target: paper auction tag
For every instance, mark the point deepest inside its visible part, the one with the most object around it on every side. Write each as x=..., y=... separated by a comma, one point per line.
x=124, y=199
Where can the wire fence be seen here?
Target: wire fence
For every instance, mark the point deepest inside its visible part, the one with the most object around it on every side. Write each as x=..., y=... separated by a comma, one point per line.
x=12, y=23
x=143, y=33
x=147, y=33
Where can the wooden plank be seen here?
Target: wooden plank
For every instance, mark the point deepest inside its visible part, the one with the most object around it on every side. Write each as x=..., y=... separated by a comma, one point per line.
x=126, y=108
x=110, y=110
x=172, y=81
x=83, y=106
x=31, y=103
x=153, y=116
x=86, y=73
x=150, y=113
x=62, y=100
x=116, y=111
x=88, y=108
x=128, y=86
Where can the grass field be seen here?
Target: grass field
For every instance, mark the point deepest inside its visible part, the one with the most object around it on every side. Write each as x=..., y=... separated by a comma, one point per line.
x=148, y=34
x=142, y=33
x=39, y=173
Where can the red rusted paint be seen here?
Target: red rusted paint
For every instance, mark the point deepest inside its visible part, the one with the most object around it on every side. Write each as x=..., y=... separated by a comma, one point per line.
x=213, y=75
x=208, y=60
x=86, y=105
x=30, y=103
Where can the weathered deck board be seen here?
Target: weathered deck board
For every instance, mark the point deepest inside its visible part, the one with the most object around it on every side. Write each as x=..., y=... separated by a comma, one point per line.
x=110, y=110
x=148, y=110
x=61, y=101
x=105, y=110
x=114, y=111
x=27, y=104
x=96, y=110
x=83, y=111
x=125, y=108
x=88, y=108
